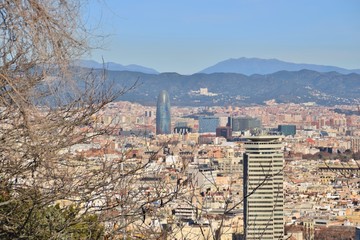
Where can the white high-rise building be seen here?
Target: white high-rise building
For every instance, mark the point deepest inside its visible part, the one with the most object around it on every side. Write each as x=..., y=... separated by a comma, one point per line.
x=263, y=188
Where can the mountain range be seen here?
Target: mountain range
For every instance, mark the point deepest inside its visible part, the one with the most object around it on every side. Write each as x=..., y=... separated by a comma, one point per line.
x=249, y=66
x=242, y=81
x=114, y=66
x=330, y=88
x=246, y=66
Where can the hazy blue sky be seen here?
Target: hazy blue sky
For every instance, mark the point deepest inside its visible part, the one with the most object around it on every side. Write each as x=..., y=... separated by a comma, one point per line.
x=189, y=35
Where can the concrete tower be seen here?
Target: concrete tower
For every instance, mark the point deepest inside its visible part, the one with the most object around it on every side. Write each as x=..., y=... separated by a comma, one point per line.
x=163, y=119
x=263, y=188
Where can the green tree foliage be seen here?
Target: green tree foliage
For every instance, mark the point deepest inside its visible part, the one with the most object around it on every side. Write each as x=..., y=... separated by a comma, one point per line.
x=29, y=218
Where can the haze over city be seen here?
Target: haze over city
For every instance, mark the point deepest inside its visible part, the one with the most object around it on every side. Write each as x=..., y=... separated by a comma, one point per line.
x=188, y=36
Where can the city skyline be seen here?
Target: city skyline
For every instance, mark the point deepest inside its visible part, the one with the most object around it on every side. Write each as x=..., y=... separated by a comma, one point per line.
x=186, y=37
x=100, y=153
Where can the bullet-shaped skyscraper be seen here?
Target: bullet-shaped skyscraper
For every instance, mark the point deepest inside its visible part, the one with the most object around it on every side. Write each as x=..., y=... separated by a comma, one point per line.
x=163, y=119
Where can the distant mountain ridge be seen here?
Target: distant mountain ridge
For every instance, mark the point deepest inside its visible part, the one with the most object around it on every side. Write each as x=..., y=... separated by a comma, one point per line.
x=233, y=89
x=249, y=66
x=114, y=66
x=246, y=66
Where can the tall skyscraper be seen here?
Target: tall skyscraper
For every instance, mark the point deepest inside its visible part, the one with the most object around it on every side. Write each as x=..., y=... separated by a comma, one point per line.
x=163, y=119
x=263, y=188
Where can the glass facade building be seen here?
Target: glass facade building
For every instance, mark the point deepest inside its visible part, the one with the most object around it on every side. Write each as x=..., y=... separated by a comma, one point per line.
x=287, y=130
x=245, y=123
x=208, y=124
x=163, y=116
